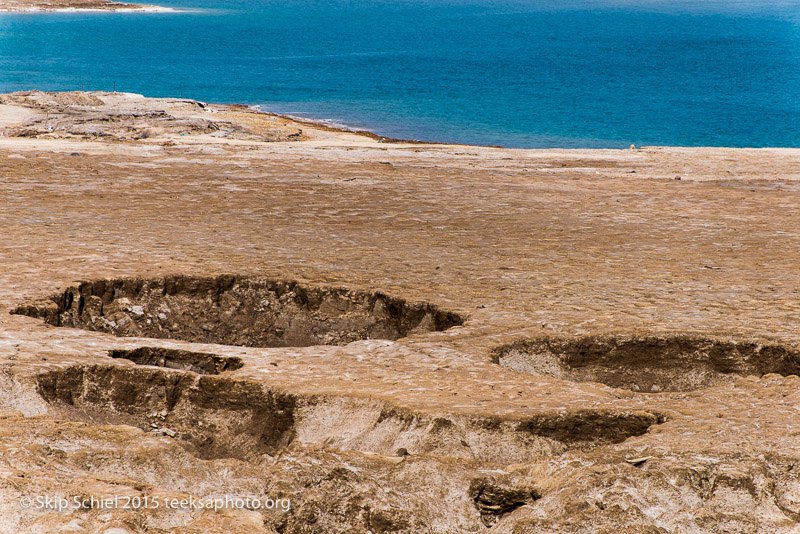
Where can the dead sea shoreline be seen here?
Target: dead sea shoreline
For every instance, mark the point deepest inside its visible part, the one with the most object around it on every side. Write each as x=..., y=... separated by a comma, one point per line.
x=202, y=300
x=321, y=124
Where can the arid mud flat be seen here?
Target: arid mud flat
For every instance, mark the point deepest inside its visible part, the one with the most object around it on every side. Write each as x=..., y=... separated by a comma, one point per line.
x=216, y=320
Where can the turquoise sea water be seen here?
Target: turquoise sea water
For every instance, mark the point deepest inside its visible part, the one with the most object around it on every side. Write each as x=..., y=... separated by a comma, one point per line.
x=518, y=73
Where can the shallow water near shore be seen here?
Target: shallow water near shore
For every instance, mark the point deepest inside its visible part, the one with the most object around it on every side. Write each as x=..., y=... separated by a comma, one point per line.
x=517, y=74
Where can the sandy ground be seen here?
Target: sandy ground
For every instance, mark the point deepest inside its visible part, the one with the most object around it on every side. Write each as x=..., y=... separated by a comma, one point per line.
x=653, y=244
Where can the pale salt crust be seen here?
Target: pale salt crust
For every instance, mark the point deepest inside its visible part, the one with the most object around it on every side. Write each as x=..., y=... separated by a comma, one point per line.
x=142, y=9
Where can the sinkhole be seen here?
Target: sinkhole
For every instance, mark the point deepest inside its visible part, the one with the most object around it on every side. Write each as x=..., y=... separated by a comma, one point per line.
x=225, y=416
x=648, y=364
x=236, y=310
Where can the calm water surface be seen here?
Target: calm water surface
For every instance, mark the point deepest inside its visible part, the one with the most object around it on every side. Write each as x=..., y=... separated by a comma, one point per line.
x=517, y=73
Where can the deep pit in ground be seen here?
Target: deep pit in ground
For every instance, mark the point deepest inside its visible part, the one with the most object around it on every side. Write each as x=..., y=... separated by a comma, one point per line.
x=189, y=397
x=648, y=364
x=220, y=416
x=234, y=310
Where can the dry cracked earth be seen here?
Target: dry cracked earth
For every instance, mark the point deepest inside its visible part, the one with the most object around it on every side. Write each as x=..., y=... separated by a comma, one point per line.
x=200, y=303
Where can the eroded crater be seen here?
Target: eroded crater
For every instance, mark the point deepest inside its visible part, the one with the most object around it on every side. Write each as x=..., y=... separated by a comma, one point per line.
x=197, y=362
x=234, y=310
x=224, y=417
x=648, y=364
x=211, y=416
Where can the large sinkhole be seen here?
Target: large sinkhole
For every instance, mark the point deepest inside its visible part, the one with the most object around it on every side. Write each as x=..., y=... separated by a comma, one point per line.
x=234, y=310
x=221, y=416
x=648, y=364
x=211, y=416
